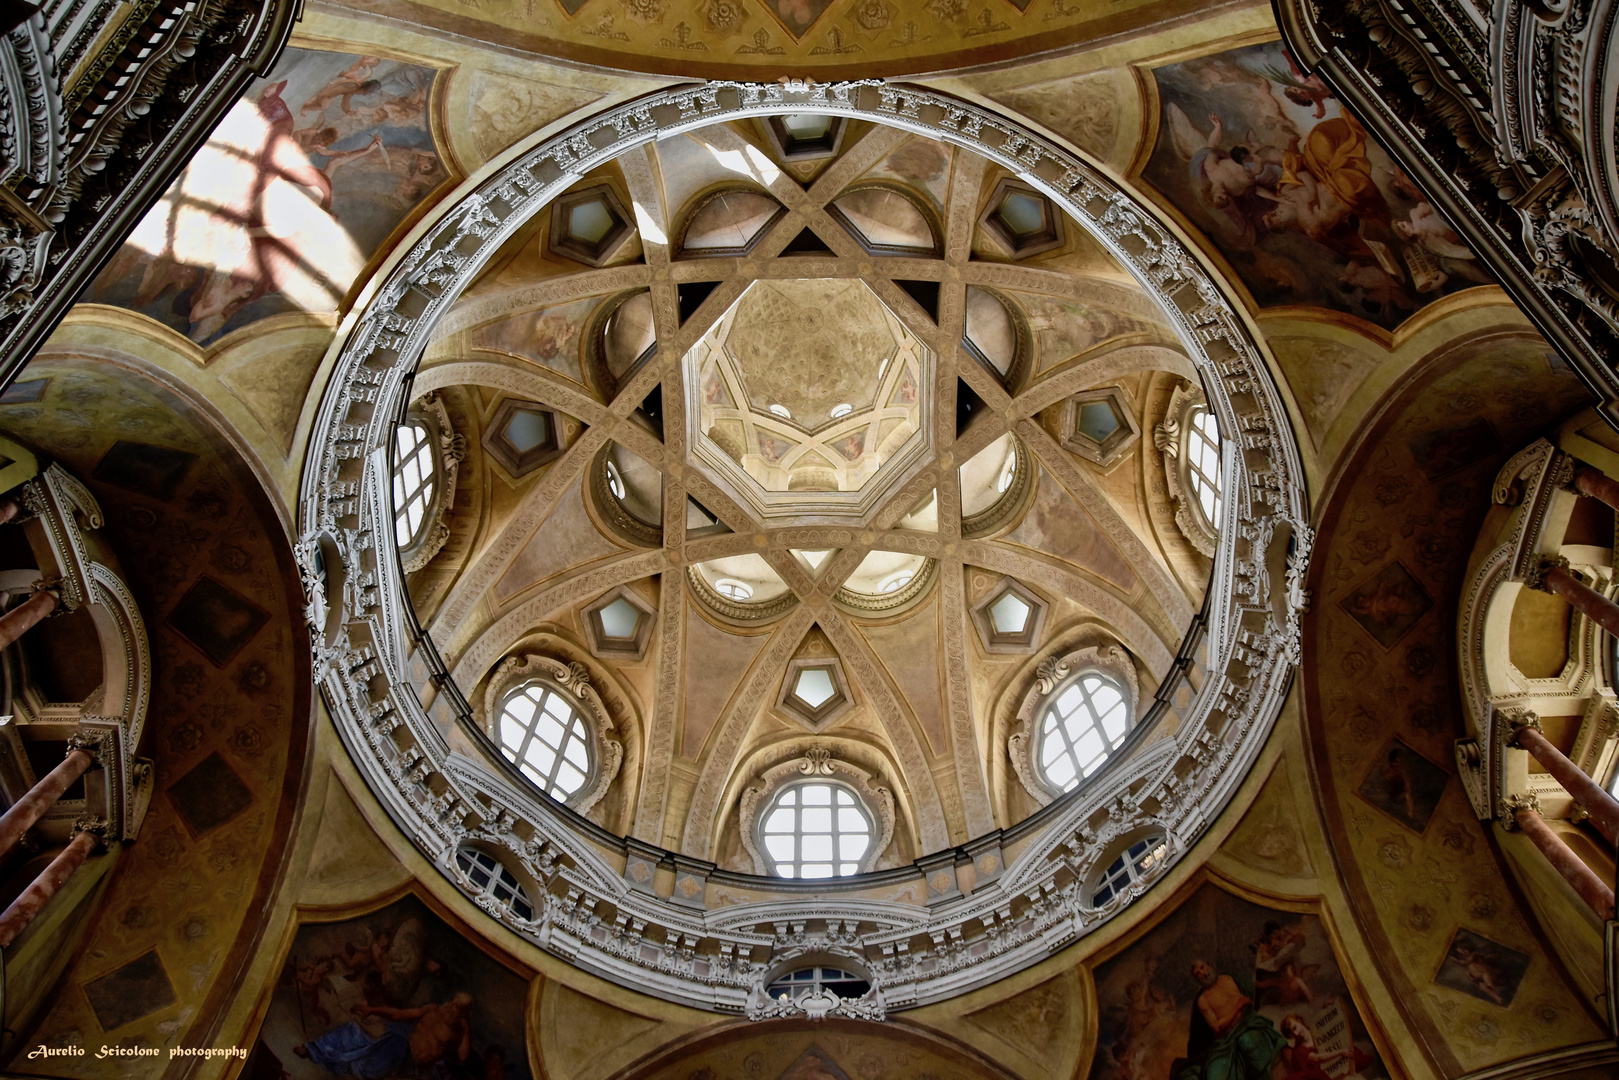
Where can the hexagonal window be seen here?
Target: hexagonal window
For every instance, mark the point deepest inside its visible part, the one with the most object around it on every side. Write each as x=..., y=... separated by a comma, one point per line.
x=522, y=436
x=1022, y=221
x=814, y=691
x=1099, y=425
x=589, y=225
x=1009, y=618
x=805, y=136
x=619, y=624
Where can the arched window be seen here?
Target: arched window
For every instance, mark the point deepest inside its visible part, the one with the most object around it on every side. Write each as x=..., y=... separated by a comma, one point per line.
x=812, y=980
x=1135, y=863
x=494, y=880
x=546, y=735
x=1203, y=462
x=1084, y=720
x=415, y=476
x=816, y=829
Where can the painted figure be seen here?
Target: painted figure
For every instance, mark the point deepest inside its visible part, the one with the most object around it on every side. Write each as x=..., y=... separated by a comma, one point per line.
x=1228, y=1040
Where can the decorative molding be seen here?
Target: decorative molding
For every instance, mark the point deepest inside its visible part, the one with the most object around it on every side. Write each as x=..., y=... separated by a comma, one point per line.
x=816, y=761
x=916, y=953
x=1054, y=672
x=573, y=679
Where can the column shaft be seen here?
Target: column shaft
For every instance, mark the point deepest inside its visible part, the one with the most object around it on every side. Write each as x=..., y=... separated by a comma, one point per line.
x=37, y=895
x=14, y=623
x=41, y=797
x=1591, y=888
x=1596, y=607
x=1597, y=484
x=1603, y=808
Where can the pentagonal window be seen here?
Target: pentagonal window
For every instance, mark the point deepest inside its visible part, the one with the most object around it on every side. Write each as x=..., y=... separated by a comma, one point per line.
x=816, y=829
x=1009, y=618
x=814, y=686
x=493, y=881
x=1100, y=425
x=814, y=692
x=545, y=734
x=589, y=225
x=1134, y=864
x=619, y=624
x=522, y=436
x=1021, y=221
x=1084, y=721
x=805, y=136
x=1010, y=614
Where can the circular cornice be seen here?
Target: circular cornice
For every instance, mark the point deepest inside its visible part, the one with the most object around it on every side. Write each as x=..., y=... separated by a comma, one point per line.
x=610, y=921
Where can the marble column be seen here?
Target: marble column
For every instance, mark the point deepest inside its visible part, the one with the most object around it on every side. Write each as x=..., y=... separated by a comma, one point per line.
x=1595, y=483
x=39, y=893
x=1554, y=576
x=1603, y=808
x=1591, y=888
x=41, y=797
x=16, y=622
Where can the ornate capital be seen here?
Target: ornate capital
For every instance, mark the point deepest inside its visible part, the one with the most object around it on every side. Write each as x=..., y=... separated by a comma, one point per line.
x=98, y=744
x=1514, y=721
x=1526, y=800
x=1535, y=576
x=96, y=827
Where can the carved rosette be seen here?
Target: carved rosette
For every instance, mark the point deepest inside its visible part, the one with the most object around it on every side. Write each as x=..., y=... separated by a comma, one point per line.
x=591, y=917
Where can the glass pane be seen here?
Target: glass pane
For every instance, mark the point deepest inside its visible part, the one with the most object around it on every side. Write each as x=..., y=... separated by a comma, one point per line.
x=816, y=794
x=853, y=847
x=540, y=756
x=814, y=687
x=806, y=126
x=816, y=847
x=780, y=848
x=526, y=430
x=1069, y=701
x=520, y=708
x=1061, y=773
x=590, y=221
x=781, y=820
x=850, y=820
x=619, y=619
x=815, y=870
x=1022, y=213
x=1097, y=420
x=816, y=819
x=1010, y=614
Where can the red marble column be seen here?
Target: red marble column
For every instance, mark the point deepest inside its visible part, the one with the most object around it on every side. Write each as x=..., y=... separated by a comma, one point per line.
x=1603, y=808
x=1597, y=484
x=41, y=797
x=1591, y=888
x=37, y=895
x=14, y=623
x=1553, y=579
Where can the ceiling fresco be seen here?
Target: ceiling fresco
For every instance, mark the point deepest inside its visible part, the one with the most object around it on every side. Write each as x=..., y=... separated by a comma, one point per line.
x=1288, y=187
x=299, y=186
x=750, y=39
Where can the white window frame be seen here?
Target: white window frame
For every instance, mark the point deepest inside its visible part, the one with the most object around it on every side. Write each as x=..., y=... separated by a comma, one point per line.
x=501, y=891
x=1132, y=863
x=796, y=788
x=1176, y=437
x=572, y=680
x=446, y=450
x=816, y=765
x=1054, y=675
